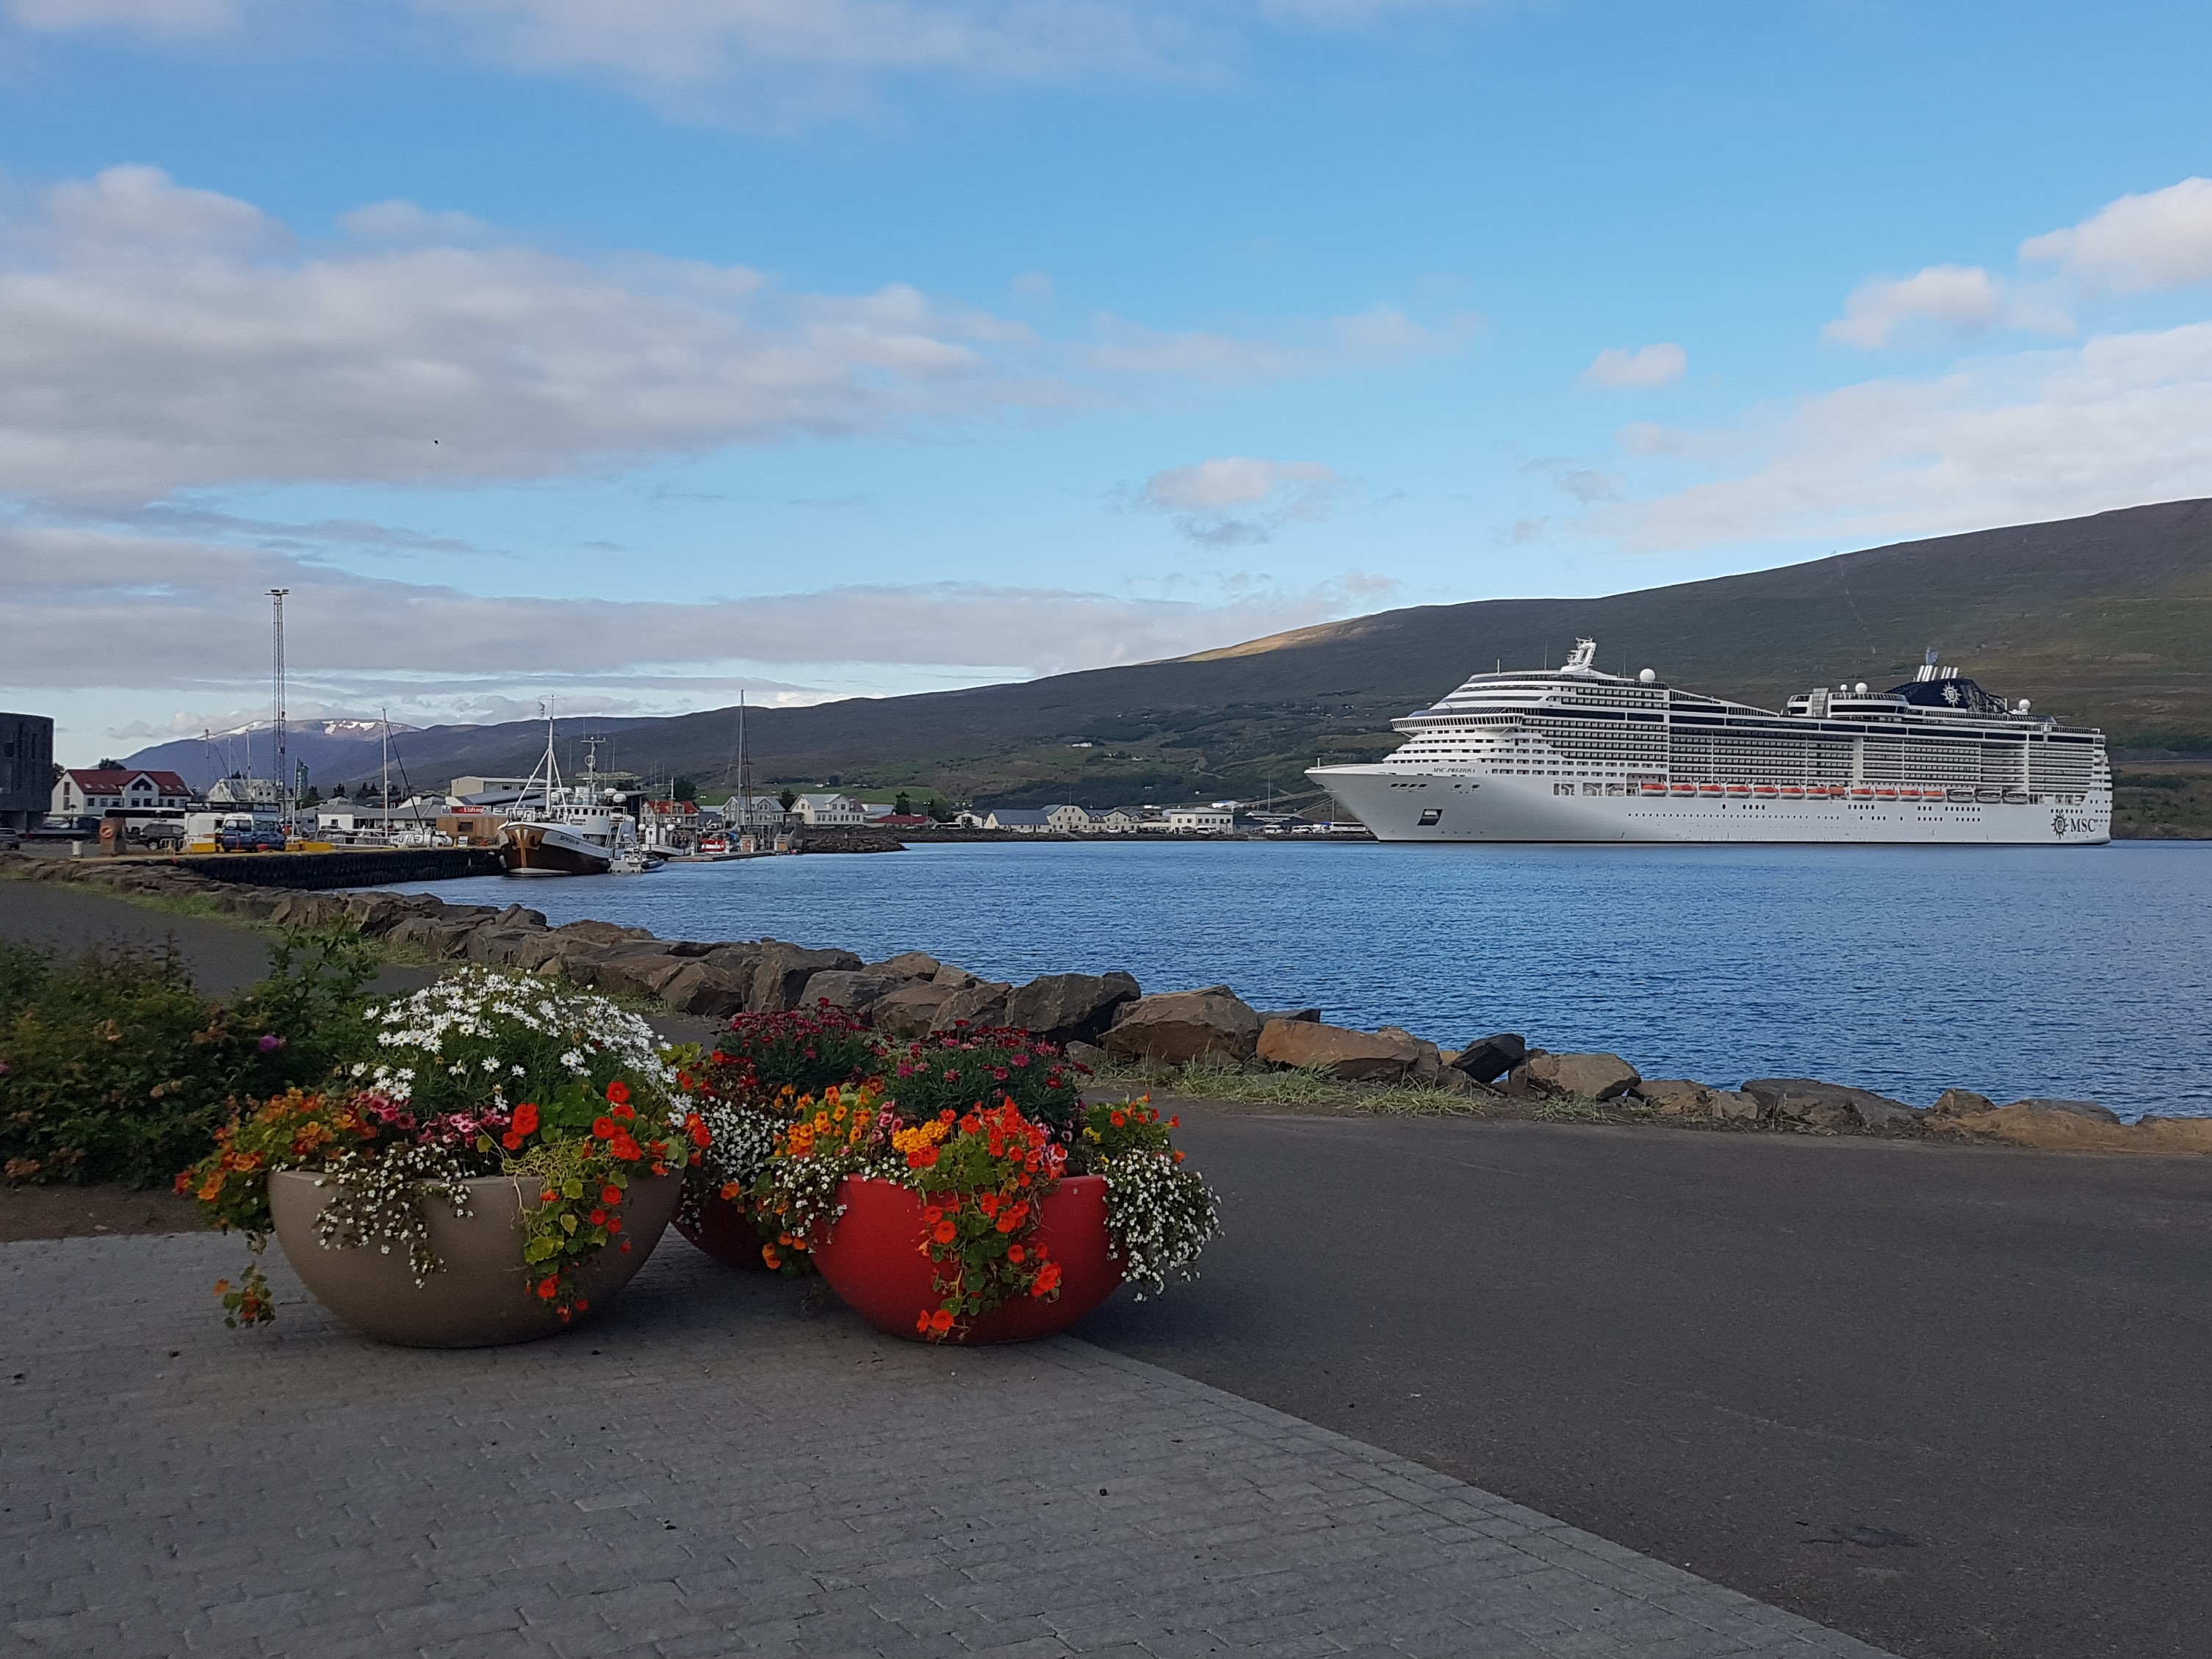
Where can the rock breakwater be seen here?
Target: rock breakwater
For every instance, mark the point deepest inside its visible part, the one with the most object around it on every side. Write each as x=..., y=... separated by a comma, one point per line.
x=1108, y=1020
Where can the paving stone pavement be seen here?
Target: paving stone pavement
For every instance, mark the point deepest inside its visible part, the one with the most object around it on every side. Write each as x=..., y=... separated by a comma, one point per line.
x=718, y=1466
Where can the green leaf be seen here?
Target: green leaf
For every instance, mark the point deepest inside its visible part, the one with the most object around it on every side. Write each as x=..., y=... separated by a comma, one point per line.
x=567, y=1221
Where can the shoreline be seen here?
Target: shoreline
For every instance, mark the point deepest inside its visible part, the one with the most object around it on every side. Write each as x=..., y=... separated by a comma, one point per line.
x=1240, y=1056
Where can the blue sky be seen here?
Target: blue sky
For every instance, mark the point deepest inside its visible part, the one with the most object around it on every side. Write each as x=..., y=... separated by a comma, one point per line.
x=635, y=354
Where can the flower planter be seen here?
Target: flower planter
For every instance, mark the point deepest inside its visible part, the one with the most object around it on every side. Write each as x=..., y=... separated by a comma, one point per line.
x=873, y=1259
x=726, y=1232
x=483, y=1297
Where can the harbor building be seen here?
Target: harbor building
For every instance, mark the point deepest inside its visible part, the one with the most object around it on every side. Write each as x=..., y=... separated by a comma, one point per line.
x=27, y=770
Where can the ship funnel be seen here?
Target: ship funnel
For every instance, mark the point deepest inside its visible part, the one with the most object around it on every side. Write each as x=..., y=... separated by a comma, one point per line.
x=1585, y=653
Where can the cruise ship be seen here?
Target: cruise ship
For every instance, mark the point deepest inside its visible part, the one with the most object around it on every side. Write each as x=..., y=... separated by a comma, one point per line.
x=1574, y=755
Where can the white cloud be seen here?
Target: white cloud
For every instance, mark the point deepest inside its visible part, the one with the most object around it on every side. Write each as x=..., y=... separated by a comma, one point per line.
x=154, y=338
x=159, y=19
x=1648, y=365
x=2122, y=419
x=1237, y=500
x=1372, y=338
x=695, y=43
x=2158, y=241
x=349, y=637
x=1953, y=299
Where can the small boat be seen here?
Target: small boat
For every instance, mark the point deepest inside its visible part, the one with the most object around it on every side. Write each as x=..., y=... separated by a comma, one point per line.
x=1885, y=794
x=1792, y=791
x=2016, y=798
x=1685, y=788
x=1962, y=794
x=1861, y=792
x=1739, y=788
x=1711, y=789
x=1766, y=790
x=633, y=862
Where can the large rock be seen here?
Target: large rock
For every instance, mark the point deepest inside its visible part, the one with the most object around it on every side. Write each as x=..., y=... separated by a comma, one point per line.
x=1177, y=1027
x=500, y=946
x=910, y=1009
x=858, y=990
x=1677, y=1097
x=1066, y=1008
x=435, y=938
x=1829, y=1105
x=2053, y=1129
x=520, y=915
x=1583, y=1077
x=1492, y=1058
x=1304, y=1015
x=1350, y=1056
x=781, y=976
x=981, y=1002
x=1960, y=1103
x=734, y=959
x=638, y=973
x=2078, y=1107
x=700, y=987
x=1733, y=1105
x=602, y=932
x=954, y=978
x=907, y=965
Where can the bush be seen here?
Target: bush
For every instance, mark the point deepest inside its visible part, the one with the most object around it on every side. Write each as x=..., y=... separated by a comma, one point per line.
x=114, y=1068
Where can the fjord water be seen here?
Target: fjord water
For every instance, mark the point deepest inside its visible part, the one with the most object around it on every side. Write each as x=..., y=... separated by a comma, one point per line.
x=2080, y=972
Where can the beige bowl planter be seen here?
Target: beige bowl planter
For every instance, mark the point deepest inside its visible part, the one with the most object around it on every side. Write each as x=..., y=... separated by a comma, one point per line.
x=483, y=1297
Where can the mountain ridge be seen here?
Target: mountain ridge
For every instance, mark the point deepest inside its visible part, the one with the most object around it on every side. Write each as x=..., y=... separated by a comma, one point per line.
x=2102, y=620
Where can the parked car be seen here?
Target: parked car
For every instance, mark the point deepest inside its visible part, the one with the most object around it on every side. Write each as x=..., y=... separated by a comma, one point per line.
x=166, y=836
x=250, y=840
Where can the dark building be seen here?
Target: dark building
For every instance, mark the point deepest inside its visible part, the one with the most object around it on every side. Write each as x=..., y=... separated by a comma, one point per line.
x=27, y=770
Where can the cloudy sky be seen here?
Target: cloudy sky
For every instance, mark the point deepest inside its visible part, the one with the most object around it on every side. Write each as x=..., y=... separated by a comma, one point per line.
x=635, y=354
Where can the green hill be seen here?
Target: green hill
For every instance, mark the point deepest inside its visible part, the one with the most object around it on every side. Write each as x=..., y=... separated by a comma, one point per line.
x=2105, y=620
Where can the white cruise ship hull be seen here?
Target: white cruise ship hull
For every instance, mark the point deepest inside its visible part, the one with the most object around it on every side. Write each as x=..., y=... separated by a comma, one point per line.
x=1394, y=804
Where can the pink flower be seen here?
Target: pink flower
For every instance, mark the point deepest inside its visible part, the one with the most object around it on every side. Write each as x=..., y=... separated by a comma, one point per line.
x=271, y=1043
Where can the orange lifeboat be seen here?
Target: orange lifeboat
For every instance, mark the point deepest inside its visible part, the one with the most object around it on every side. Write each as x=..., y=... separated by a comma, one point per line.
x=1684, y=789
x=1738, y=789
x=1885, y=794
x=1766, y=790
x=1861, y=792
x=1711, y=789
x=1791, y=792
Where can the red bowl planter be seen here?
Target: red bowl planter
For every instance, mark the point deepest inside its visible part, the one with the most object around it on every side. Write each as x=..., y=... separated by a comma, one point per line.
x=873, y=1259
x=726, y=1231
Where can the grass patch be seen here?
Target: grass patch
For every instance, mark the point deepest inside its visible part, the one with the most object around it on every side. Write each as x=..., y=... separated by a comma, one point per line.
x=1311, y=1089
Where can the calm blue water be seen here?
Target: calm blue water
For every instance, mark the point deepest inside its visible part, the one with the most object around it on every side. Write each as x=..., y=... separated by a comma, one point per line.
x=2080, y=972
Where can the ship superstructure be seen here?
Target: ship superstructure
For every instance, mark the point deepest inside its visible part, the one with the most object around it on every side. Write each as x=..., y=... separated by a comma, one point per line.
x=1575, y=754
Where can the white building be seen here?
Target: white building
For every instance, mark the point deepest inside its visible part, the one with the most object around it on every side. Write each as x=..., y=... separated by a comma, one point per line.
x=1068, y=820
x=1200, y=820
x=1023, y=821
x=825, y=811
x=87, y=790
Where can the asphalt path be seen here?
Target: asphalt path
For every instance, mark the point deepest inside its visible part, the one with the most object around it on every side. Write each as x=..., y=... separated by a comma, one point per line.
x=1952, y=1400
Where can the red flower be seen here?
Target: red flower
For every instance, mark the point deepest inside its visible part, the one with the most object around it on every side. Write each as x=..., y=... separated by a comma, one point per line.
x=549, y=1288
x=944, y=1232
x=941, y=1321
x=1047, y=1279
x=618, y=1092
x=609, y=1195
x=598, y=1217
x=624, y=1114
x=525, y=1119
x=624, y=1148
x=1017, y=1254
x=604, y=1127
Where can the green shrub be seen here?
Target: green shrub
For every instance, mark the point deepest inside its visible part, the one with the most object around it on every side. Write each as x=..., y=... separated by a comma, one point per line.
x=114, y=1068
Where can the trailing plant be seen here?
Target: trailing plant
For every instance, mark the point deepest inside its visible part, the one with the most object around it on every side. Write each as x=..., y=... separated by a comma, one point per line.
x=1159, y=1215
x=812, y=1152
x=114, y=1067
x=984, y=1176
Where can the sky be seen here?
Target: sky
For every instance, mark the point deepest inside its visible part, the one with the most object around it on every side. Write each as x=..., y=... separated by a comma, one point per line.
x=633, y=355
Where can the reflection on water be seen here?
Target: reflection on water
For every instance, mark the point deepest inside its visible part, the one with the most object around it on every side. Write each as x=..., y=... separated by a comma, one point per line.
x=2013, y=971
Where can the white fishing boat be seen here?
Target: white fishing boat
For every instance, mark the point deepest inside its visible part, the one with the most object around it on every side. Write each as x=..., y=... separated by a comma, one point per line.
x=562, y=831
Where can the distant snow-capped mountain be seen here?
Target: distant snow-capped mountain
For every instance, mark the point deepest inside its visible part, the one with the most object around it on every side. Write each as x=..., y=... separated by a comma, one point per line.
x=332, y=750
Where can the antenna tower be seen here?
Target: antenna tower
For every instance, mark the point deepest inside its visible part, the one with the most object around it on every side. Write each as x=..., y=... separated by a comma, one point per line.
x=283, y=777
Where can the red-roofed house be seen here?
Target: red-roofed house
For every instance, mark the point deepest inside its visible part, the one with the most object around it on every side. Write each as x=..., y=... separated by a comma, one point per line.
x=89, y=791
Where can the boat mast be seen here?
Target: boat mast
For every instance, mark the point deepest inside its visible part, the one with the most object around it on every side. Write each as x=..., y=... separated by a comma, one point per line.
x=283, y=781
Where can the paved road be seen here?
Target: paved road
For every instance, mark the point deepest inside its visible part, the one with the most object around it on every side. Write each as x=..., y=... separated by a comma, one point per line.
x=1952, y=1400
x=712, y=1470
x=224, y=956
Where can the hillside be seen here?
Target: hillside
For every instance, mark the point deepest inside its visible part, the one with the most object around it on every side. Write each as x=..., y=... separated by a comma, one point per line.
x=2105, y=620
